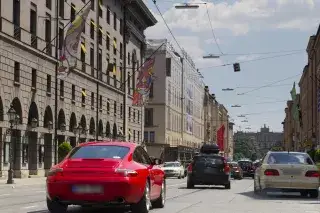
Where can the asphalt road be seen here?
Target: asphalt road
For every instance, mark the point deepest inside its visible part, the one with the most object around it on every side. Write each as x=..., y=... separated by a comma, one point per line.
x=240, y=199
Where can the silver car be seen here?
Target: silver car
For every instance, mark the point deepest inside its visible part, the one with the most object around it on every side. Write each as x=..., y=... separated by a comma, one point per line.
x=173, y=169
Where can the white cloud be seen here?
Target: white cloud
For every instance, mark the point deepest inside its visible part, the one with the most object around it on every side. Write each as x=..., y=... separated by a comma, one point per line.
x=245, y=15
x=247, y=57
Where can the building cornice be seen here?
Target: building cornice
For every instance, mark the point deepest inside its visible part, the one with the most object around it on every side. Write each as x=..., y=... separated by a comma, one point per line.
x=146, y=13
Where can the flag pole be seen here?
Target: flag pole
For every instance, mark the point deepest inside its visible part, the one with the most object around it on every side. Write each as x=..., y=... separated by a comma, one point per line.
x=124, y=73
x=98, y=67
x=55, y=143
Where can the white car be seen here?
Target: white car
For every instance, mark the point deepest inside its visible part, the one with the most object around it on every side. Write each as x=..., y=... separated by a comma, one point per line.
x=173, y=169
x=287, y=171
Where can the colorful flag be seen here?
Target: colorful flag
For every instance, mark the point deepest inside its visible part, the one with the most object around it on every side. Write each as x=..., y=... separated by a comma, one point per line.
x=69, y=52
x=144, y=81
x=220, y=139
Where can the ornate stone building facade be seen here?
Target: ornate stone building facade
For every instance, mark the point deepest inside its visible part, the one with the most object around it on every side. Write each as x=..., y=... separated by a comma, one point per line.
x=28, y=62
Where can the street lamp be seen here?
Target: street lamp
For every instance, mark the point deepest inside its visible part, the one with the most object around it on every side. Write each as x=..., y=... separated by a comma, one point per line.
x=50, y=125
x=211, y=56
x=63, y=127
x=236, y=105
x=34, y=123
x=227, y=89
x=12, y=114
x=187, y=6
x=77, y=130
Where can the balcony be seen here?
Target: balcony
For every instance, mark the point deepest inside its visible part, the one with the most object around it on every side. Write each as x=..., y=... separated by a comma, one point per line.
x=26, y=37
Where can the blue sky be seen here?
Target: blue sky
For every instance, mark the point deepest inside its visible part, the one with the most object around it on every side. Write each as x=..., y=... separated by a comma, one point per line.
x=245, y=27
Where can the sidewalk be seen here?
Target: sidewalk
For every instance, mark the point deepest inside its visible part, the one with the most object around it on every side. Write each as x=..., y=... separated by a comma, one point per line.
x=22, y=182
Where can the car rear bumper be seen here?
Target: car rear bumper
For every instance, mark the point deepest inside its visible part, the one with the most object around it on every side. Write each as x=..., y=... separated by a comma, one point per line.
x=115, y=191
x=209, y=180
x=289, y=185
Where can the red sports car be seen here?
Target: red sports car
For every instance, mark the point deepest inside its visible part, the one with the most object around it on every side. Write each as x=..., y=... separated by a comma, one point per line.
x=106, y=174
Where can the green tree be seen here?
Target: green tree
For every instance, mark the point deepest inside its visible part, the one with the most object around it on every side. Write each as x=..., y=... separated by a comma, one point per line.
x=245, y=148
x=64, y=149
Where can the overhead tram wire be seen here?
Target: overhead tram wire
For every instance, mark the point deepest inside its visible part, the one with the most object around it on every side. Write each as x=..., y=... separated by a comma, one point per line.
x=270, y=84
x=212, y=31
x=252, y=60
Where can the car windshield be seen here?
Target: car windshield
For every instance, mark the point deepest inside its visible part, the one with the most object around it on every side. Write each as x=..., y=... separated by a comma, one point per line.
x=245, y=163
x=171, y=165
x=99, y=151
x=289, y=158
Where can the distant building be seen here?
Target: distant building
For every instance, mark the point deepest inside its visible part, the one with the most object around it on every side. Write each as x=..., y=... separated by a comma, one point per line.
x=263, y=140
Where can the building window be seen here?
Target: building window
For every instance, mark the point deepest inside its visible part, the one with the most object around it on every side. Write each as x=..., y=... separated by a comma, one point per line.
x=108, y=15
x=100, y=104
x=152, y=137
x=108, y=106
x=92, y=5
x=121, y=46
x=121, y=27
x=146, y=136
x=92, y=100
x=33, y=25
x=128, y=59
x=83, y=97
x=108, y=41
x=49, y=4
x=16, y=72
x=92, y=29
x=100, y=8
x=129, y=113
x=115, y=108
x=92, y=60
x=114, y=46
x=114, y=21
x=83, y=52
x=49, y=83
x=100, y=64
x=72, y=13
x=121, y=110
x=34, y=79
x=148, y=119
x=61, y=8
x=100, y=35
x=168, y=67
x=48, y=34
x=73, y=93
x=61, y=37
x=61, y=88
x=138, y=116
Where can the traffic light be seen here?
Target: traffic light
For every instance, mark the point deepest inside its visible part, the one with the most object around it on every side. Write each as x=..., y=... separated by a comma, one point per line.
x=236, y=67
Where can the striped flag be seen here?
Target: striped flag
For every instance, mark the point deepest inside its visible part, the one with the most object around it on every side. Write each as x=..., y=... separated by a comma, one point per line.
x=69, y=52
x=318, y=99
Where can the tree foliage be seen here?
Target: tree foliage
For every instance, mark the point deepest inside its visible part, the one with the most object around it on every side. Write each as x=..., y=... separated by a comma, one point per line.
x=244, y=148
x=64, y=149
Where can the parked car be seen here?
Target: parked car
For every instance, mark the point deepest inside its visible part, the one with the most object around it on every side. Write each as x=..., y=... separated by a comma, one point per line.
x=247, y=168
x=288, y=171
x=107, y=173
x=208, y=168
x=236, y=171
x=173, y=169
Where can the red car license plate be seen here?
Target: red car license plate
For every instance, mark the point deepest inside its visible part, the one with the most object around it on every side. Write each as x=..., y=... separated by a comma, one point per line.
x=87, y=189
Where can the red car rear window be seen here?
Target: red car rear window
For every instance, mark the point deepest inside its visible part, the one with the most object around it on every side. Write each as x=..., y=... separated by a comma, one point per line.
x=99, y=151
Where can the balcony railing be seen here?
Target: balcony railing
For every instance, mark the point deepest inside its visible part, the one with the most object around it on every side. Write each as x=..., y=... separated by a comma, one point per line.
x=26, y=37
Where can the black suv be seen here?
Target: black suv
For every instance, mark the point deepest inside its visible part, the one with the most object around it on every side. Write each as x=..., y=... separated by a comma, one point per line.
x=208, y=168
x=247, y=167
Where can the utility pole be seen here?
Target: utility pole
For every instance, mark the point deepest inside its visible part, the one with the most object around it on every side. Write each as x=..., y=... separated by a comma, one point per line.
x=124, y=72
x=97, y=6
x=182, y=102
x=55, y=144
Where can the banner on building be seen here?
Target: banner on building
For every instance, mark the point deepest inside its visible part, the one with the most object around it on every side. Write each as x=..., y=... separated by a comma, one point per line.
x=144, y=81
x=220, y=138
x=69, y=53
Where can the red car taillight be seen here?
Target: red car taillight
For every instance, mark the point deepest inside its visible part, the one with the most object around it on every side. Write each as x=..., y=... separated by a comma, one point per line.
x=190, y=168
x=226, y=168
x=127, y=172
x=271, y=172
x=312, y=174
